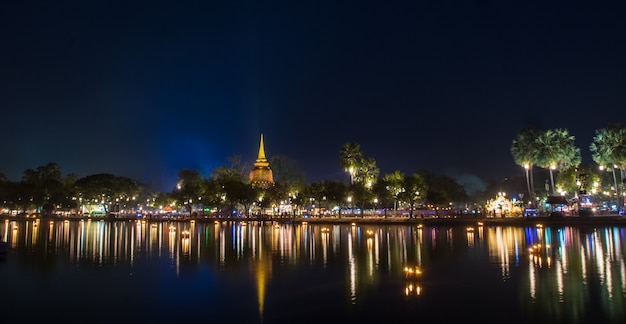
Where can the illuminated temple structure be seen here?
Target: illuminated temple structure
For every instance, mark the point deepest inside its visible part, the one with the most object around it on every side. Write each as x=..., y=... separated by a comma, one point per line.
x=261, y=174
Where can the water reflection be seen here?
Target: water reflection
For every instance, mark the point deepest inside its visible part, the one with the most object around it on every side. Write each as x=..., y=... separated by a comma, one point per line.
x=563, y=272
x=568, y=268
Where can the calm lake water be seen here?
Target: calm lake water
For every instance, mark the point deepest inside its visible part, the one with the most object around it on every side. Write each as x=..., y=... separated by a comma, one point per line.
x=106, y=271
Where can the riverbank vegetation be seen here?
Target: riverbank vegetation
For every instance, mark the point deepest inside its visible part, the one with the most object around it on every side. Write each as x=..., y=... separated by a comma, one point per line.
x=544, y=155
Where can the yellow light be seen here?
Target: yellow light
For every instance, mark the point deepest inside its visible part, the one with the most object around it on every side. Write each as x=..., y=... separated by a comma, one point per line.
x=410, y=272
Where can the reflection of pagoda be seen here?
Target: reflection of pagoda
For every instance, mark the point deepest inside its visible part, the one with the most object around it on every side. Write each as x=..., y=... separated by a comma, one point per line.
x=262, y=270
x=261, y=174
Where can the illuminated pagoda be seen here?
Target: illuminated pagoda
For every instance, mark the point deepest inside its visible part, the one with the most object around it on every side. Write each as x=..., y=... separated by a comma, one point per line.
x=261, y=174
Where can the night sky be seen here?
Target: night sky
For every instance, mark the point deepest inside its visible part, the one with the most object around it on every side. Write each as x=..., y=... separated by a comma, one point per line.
x=143, y=89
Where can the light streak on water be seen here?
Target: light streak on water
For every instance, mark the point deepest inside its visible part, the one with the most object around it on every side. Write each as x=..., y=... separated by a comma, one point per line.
x=568, y=267
x=352, y=269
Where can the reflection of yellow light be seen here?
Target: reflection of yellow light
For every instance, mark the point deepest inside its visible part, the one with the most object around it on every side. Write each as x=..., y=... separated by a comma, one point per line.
x=353, y=224
x=244, y=223
x=276, y=226
x=324, y=229
x=305, y=223
x=480, y=223
x=412, y=272
x=370, y=232
x=216, y=222
x=262, y=274
x=419, y=226
x=536, y=255
x=412, y=289
x=539, y=226
x=470, y=229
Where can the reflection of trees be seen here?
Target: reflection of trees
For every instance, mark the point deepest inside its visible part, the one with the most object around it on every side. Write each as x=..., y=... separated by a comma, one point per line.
x=569, y=272
x=573, y=272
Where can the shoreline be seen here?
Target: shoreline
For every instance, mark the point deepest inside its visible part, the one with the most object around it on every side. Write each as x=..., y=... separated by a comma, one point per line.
x=604, y=220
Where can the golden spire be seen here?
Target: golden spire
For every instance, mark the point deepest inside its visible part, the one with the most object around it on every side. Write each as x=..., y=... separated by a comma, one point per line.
x=261, y=174
x=261, y=157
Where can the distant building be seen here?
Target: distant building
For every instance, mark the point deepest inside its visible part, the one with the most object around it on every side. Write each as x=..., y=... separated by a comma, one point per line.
x=261, y=174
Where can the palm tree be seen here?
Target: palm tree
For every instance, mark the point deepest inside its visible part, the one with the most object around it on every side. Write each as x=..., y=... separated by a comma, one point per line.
x=367, y=172
x=546, y=152
x=523, y=150
x=609, y=148
x=349, y=157
x=556, y=150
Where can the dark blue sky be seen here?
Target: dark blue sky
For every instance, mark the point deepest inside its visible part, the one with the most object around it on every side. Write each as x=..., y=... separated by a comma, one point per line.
x=145, y=89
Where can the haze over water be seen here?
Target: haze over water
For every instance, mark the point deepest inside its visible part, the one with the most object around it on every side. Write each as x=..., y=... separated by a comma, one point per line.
x=103, y=271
